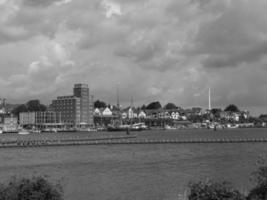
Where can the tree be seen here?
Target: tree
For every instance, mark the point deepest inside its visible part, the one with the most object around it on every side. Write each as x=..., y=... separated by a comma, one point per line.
x=154, y=105
x=30, y=106
x=35, y=105
x=170, y=106
x=19, y=109
x=30, y=189
x=232, y=108
x=259, y=192
x=100, y=104
x=216, y=112
x=143, y=107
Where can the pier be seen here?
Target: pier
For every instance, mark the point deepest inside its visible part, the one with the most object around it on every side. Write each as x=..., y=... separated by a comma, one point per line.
x=118, y=141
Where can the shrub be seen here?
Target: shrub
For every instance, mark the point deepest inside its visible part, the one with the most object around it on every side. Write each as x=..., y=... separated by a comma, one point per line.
x=259, y=192
x=213, y=191
x=260, y=175
x=36, y=188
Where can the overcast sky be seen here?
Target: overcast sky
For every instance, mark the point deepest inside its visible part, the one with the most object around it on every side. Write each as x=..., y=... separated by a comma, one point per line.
x=166, y=50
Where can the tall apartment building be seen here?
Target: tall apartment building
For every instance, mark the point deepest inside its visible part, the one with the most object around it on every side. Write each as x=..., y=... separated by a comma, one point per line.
x=91, y=109
x=75, y=109
x=69, y=109
x=82, y=91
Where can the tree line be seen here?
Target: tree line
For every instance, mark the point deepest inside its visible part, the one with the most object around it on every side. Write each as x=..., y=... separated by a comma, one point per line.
x=30, y=106
x=169, y=106
x=35, y=105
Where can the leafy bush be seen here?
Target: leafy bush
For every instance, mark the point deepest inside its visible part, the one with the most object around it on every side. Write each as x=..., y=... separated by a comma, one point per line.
x=213, y=191
x=259, y=192
x=260, y=175
x=36, y=188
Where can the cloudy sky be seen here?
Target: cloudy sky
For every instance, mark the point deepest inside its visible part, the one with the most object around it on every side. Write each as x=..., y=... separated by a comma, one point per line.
x=170, y=50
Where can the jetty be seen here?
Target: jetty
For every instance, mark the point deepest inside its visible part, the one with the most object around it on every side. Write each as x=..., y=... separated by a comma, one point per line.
x=129, y=139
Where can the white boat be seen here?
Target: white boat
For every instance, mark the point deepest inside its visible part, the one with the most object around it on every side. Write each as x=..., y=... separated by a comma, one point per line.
x=139, y=126
x=168, y=127
x=23, y=132
x=232, y=126
x=35, y=131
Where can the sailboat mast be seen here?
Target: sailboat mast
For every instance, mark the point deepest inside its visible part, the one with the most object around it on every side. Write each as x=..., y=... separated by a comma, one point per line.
x=118, y=98
x=209, y=100
x=131, y=108
x=131, y=101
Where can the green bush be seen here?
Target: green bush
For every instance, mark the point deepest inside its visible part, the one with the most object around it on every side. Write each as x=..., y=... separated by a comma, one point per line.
x=259, y=192
x=213, y=191
x=224, y=191
x=260, y=175
x=36, y=188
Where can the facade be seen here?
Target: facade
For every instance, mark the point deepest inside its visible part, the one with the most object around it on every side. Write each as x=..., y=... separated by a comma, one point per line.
x=132, y=113
x=10, y=124
x=91, y=110
x=69, y=108
x=107, y=112
x=26, y=118
x=142, y=114
x=81, y=91
x=39, y=118
x=47, y=117
x=77, y=109
x=97, y=112
x=175, y=115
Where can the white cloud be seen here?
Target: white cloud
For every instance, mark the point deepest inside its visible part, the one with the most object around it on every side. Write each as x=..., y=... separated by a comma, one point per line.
x=59, y=3
x=7, y=10
x=111, y=8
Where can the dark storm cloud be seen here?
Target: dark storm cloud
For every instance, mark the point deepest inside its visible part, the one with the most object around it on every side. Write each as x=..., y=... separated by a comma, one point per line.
x=7, y=36
x=244, y=56
x=236, y=36
x=39, y=3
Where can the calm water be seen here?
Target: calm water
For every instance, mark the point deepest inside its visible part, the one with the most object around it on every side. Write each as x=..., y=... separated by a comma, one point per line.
x=155, y=171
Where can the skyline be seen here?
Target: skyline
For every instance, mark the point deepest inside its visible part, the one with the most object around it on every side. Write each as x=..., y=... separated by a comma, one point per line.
x=167, y=51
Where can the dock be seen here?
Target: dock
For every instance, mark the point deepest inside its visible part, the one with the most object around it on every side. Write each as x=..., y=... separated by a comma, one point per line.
x=119, y=140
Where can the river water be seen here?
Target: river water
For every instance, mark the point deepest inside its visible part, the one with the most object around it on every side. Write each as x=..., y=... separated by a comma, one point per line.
x=152, y=171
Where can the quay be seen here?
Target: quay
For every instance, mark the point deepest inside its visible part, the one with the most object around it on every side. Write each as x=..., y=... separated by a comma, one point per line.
x=119, y=140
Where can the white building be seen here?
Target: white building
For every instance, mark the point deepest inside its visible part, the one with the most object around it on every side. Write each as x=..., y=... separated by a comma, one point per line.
x=175, y=115
x=26, y=118
x=107, y=112
x=142, y=114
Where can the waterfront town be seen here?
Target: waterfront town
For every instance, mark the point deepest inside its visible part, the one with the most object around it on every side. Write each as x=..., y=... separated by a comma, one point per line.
x=80, y=112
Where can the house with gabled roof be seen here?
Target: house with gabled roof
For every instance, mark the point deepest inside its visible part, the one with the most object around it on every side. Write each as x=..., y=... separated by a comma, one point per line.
x=141, y=114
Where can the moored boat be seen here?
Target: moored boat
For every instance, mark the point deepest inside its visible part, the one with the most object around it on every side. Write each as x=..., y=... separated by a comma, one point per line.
x=118, y=128
x=23, y=132
x=125, y=127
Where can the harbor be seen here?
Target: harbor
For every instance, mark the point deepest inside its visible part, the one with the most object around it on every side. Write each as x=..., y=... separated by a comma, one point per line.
x=143, y=137
x=133, y=100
